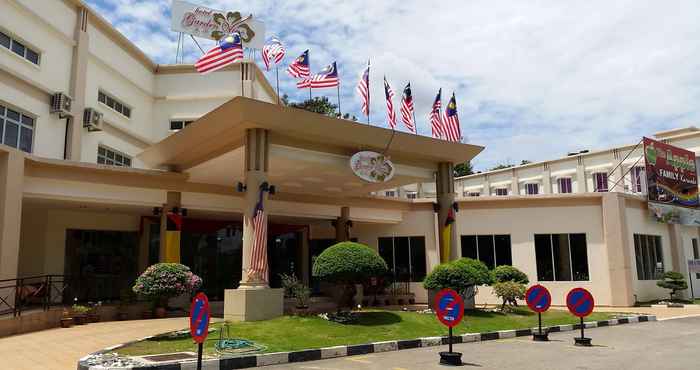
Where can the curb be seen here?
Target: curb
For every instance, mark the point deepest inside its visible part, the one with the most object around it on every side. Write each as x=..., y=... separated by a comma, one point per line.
x=277, y=358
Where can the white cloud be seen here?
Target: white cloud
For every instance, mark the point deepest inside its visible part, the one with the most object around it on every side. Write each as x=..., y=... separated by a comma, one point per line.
x=533, y=79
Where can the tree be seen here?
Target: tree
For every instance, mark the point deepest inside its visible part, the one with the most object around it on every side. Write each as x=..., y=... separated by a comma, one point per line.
x=501, y=166
x=464, y=169
x=509, y=284
x=674, y=281
x=347, y=264
x=319, y=105
x=460, y=275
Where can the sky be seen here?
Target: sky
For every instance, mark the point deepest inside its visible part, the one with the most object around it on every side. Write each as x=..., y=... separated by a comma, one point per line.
x=533, y=79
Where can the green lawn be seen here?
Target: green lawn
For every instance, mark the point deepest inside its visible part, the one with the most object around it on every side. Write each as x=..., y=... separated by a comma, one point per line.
x=291, y=333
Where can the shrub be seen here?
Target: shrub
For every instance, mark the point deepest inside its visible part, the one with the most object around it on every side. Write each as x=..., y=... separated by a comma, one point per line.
x=347, y=264
x=294, y=288
x=509, y=292
x=166, y=280
x=674, y=281
x=509, y=273
x=459, y=275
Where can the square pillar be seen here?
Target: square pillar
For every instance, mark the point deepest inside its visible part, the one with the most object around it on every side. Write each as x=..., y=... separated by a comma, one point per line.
x=618, y=247
x=11, y=189
x=447, y=232
x=169, y=236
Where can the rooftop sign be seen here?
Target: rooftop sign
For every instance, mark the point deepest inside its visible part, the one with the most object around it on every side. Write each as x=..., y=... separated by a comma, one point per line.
x=213, y=24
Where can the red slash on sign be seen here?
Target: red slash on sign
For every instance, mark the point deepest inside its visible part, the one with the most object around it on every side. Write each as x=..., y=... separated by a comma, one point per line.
x=449, y=307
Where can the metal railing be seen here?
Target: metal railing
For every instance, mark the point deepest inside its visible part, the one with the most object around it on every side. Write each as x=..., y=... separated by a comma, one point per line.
x=32, y=292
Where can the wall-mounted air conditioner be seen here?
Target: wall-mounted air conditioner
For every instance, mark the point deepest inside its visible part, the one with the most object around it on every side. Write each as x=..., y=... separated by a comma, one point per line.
x=61, y=104
x=92, y=120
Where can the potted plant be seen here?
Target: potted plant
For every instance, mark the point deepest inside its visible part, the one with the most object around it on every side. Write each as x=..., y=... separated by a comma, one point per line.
x=66, y=319
x=93, y=314
x=126, y=297
x=163, y=281
x=463, y=276
x=80, y=314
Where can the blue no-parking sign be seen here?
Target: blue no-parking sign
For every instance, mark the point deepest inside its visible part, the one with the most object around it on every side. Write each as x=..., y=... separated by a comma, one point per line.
x=580, y=302
x=449, y=307
x=199, y=318
x=538, y=298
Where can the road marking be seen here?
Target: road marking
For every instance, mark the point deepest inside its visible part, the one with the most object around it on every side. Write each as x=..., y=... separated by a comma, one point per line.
x=678, y=317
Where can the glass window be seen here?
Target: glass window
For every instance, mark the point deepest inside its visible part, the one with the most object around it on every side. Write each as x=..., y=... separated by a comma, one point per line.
x=638, y=176
x=126, y=111
x=18, y=48
x=471, y=194
x=405, y=257
x=101, y=97
x=504, y=254
x=469, y=246
x=501, y=192
x=600, y=181
x=16, y=129
x=486, y=251
x=532, y=189
x=561, y=257
x=11, y=134
x=176, y=125
x=564, y=184
x=112, y=157
x=13, y=115
x=109, y=102
x=648, y=256
x=412, y=194
x=114, y=103
x=492, y=250
x=25, y=139
x=32, y=56
x=4, y=40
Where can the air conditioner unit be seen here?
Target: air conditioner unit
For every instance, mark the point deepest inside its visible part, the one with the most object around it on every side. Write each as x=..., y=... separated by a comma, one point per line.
x=61, y=104
x=92, y=120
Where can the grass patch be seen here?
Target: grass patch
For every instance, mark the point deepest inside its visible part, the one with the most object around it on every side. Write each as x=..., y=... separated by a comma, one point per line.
x=290, y=333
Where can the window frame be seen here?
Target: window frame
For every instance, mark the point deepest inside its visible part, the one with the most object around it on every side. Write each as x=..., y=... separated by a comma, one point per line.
x=114, y=153
x=554, y=265
x=124, y=107
x=471, y=194
x=605, y=180
x=570, y=185
x=411, y=269
x=648, y=251
x=501, y=195
x=494, y=250
x=638, y=179
x=21, y=124
x=27, y=46
x=529, y=184
x=183, y=121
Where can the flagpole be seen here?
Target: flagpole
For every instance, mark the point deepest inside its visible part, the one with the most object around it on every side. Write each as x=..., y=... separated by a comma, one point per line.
x=369, y=96
x=340, y=114
x=277, y=75
x=415, y=124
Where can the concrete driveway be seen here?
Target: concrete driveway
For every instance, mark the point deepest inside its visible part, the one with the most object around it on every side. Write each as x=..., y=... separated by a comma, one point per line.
x=670, y=344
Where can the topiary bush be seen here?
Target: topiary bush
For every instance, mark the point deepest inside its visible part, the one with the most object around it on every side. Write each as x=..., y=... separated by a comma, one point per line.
x=674, y=281
x=459, y=275
x=509, y=292
x=166, y=280
x=509, y=273
x=347, y=264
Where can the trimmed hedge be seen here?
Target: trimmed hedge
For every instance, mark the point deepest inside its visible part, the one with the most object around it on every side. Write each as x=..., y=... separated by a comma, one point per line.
x=459, y=275
x=348, y=262
x=505, y=273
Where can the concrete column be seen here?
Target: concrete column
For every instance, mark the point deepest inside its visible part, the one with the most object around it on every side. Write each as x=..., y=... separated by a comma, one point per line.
x=342, y=225
x=11, y=188
x=444, y=186
x=256, y=166
x=616, y=180
x=169, y=246
x=677, y=252
x=247, y=80
x=78, y=83
x=619, y=250
x=486, y=190
x=515, y=185
x=546, y=181
x=581, y=183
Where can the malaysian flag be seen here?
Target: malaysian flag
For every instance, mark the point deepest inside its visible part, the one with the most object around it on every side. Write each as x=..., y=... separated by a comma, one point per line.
x=258, y=258
x=300, y=67
x=389, y=104
x=272, y=52
x=407, y=109
x=435, y=119
x=363, y=90
x=227, y=51
x=451, y=122
x=327, y=78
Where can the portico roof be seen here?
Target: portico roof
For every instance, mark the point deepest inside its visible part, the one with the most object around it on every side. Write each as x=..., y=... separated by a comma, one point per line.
x=309, y=152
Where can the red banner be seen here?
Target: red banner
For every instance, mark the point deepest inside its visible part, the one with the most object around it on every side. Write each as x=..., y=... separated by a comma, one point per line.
x=671, y=174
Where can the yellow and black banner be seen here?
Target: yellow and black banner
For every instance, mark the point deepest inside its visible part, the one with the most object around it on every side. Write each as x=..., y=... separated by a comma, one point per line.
x=172, y=238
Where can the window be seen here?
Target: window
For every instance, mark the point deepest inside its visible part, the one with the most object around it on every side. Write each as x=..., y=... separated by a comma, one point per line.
x=405, y=256
x=113, y=103
x=412, y=194
x=696, y=254
x=564, y=184
x=561, y=257
x=492, y=250
x=638, y=175
x=390, y=193
x=112, y=157
x=16, y=129
x=649, y=256
x=471, y=193
x=176, y=125
x=19, y=48
x=501, y=192
x=600, y=182
x=532, y=189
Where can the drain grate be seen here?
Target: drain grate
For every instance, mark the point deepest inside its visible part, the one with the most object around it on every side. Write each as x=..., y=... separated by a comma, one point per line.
x=170, y=357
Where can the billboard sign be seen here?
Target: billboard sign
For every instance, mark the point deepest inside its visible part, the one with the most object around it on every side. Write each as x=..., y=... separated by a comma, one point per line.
x=671, y=174
x=214, y=24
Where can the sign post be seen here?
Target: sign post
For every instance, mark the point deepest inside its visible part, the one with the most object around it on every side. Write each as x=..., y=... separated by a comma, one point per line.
x=580, y=303
x=199, y=323
x=449, y=308
x=539, y=300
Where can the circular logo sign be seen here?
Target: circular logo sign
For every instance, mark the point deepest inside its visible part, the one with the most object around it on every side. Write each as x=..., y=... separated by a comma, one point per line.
x=199, y=318
x=580, y=302
x=538, y=298
x=372, y=166
x=449, y=307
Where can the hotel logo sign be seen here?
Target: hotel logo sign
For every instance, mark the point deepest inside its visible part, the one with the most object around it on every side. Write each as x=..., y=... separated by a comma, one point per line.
x=372, y=166
x=214, y=24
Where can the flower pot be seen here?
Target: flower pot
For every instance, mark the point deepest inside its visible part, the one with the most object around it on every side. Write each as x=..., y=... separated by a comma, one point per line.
x=80, y=319
x=147, y=314
x=121, y=316
x=93, y=317
x=66, y=322
x=159, y=312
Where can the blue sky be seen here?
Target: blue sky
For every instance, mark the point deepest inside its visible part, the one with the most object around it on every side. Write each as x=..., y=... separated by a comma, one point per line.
x=533, y=79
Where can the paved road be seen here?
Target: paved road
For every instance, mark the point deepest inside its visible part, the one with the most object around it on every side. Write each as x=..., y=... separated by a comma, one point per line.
x=670, y=344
